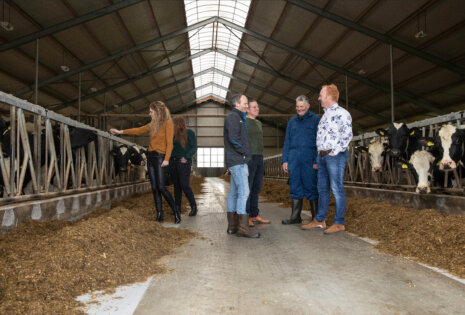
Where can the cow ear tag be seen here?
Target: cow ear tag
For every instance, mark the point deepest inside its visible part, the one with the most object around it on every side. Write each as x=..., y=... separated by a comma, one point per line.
x=9, y=127
x=412, y=133
x=430, y=143
x=381, y=133
x=404, y=165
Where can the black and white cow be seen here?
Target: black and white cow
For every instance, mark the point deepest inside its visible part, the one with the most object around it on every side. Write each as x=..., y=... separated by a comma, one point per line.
x=138, y=158
x=377, y=151
x=448, y=147
x=403, y=141
x=406, y=147
x=121, y=158
x=421, y=164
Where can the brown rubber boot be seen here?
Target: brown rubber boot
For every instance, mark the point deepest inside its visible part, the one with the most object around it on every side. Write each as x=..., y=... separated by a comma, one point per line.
x=232, y=223
x=243, y=229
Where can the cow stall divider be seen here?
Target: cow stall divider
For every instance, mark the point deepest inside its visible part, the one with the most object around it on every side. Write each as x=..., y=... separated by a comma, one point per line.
x=393, y=184
x=38, y=163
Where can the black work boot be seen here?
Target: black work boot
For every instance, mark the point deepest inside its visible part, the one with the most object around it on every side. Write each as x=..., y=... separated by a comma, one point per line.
x=177, y=214
x=314, y=208
x=193, y=212
x=243, y=229
x=232, y=223
x=295, y=215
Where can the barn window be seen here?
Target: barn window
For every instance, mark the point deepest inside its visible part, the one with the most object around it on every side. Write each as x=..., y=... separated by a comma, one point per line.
x=210, y=157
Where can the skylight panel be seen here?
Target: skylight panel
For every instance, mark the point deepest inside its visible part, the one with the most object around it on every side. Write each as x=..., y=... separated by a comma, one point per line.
x=215, y=35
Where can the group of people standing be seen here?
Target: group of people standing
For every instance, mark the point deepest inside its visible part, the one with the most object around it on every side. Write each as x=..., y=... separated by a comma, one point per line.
x=171, y=145
x=314, y=154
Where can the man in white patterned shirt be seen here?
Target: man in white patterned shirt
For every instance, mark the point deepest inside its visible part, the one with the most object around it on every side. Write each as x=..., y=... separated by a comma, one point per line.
x=333, y=138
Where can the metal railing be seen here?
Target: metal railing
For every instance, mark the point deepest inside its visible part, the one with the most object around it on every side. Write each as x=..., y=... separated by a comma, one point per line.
x=63, y=170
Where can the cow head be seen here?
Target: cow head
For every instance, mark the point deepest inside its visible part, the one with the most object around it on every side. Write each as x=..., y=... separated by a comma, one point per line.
x=421, y=163
x=449, y=146
x=121, y=156
x=401, y=138
x=377, y=151
x=135, y=156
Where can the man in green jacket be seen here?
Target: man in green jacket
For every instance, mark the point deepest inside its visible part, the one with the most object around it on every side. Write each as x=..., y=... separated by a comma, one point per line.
x=256, y=166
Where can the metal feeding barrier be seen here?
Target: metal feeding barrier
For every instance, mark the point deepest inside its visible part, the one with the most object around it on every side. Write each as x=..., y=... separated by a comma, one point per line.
x=63, y=170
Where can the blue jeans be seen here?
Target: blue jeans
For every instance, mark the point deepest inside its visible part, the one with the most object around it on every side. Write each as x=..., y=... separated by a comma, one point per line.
x=256, y=172
x=239, y=189
x=331, y=173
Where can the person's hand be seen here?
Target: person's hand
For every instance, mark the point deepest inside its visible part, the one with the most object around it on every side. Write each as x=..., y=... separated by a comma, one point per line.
x=315, y=166
x=285, y=169
x=114, y=131
x=165, y=163
x=183, y=160
x=331, y=153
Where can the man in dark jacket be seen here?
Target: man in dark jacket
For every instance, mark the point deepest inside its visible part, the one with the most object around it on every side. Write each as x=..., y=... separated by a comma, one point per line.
x=299, y=159
x=237, y=151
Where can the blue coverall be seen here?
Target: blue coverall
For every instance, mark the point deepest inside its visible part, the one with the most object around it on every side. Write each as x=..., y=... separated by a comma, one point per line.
x=300, y=153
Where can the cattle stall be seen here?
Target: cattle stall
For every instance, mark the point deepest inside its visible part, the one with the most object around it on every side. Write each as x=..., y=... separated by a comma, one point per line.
x=53, y=167
x=395, y=179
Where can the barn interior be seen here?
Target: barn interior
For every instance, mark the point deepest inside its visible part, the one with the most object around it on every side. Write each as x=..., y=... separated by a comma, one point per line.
x=98, y=64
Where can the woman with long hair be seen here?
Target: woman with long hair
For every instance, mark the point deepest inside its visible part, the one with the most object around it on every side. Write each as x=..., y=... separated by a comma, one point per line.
x=184, y=147
x=159, y=153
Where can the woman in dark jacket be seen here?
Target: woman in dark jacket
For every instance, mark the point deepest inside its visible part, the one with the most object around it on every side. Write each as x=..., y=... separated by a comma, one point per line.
x=158, y=156
x=184, y=147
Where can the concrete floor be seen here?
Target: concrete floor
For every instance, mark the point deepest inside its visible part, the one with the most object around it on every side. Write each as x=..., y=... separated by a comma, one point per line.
x=289, y=270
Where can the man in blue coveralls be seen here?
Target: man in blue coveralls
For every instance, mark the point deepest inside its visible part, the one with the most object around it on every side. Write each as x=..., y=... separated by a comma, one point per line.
x=299, y=159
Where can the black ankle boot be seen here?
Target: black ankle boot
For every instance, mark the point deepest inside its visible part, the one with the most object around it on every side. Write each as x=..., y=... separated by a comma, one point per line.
x=160, y=217
x=193, y=212
x=314, y=208
x=296, y=210
x=177, y=215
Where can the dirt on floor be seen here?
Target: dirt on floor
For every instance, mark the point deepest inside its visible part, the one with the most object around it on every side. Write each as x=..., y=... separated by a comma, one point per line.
x=46, y=265
x=426, y=236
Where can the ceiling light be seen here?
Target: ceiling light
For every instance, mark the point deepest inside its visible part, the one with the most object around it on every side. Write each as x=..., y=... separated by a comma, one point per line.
x=361, y=72
x=64, y=68
x=93, y=89
x=420, y=34
x=7, y=26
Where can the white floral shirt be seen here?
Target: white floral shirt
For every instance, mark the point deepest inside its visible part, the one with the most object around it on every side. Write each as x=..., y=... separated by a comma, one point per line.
x=334, y=130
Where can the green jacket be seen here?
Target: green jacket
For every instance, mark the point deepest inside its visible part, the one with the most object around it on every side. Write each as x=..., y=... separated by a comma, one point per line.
x=255, y=132
x=191, y=147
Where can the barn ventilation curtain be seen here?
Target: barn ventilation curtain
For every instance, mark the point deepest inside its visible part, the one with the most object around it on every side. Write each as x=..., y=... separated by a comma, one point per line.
x=215, y=35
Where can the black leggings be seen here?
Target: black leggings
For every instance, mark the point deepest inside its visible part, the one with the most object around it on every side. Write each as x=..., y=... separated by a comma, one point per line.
x=180, y=174
x=157, y=179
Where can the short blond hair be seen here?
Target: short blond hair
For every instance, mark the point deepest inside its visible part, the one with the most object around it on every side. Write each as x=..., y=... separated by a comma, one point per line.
x=332, y=91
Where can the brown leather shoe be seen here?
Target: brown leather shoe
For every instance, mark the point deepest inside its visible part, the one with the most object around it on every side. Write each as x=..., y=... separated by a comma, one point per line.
x=314, y=225
x=259, y=219
x=335, y=228
x=251, y=222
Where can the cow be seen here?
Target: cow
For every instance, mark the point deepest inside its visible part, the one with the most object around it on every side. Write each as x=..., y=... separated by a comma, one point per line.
x=377, y=151
x=403, y=141
x=138, y=158
x=448, y=146
x=421, y=164
x=121, y=158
